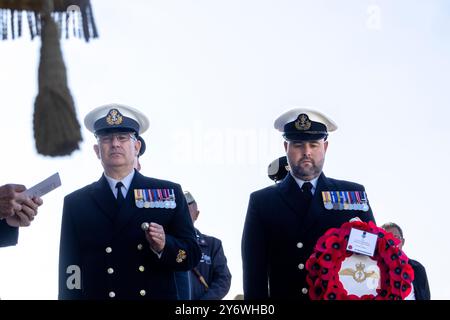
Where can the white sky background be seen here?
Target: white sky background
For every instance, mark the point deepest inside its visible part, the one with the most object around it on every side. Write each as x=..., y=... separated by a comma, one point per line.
x=212, y=76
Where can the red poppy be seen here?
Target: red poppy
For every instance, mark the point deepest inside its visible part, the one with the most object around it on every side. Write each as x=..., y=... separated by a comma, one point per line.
x=407, y=273
x=334, y=291
x=326, y=260
x=321, y=244
x=332, y=232
x=334, y=246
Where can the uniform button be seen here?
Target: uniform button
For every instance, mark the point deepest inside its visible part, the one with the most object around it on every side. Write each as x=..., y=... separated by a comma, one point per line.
x=299, y=245
x=301, y=266
x=112, y=294
x=304, y=291
x=110, y=270
x=139, y=246
x=108, y=250
x=142, y=293
x=141, y=268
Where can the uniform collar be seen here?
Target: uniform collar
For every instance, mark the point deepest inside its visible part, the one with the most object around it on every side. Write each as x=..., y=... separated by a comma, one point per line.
x=300, y=182
x=126, y=182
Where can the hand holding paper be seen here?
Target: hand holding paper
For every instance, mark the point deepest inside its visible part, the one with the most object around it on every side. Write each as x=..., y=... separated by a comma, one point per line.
x=29, y=200
x=11, y=199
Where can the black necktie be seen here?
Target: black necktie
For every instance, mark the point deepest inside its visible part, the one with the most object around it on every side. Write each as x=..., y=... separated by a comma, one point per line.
x=120, y=198
x=306, y=189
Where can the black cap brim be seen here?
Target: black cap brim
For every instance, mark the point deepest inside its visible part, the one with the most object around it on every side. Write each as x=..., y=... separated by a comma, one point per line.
x=296, y=136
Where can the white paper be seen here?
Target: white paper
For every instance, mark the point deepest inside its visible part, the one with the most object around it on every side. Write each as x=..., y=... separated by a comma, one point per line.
x=362, y=242
x=44, y=187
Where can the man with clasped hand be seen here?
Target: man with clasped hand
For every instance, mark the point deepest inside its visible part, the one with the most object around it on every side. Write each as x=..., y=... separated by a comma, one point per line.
x=124, y=236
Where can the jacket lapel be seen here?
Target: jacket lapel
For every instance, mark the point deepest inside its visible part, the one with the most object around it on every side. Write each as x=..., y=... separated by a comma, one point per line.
x=129, y=209
x=291, y=193
x=103, y=196
x=316, y=206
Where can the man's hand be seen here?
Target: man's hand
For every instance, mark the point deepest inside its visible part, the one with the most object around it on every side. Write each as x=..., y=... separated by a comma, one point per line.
x=156, y=237
x=11, y=199
x=18, y=209
x=24, y=217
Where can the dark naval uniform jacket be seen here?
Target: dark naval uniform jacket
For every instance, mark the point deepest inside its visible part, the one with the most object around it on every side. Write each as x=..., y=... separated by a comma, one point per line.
x=420, y=282
x=8, y=234
x=280, y=232
x=103, y=250
x=213, y=268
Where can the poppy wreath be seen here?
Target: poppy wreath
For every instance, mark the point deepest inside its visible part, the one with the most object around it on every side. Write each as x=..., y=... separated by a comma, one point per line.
x=323, y=266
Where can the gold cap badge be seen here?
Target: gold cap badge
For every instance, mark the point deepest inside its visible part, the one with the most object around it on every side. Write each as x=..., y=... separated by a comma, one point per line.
x=114, y=117
x=181, y=256
x=303, y=123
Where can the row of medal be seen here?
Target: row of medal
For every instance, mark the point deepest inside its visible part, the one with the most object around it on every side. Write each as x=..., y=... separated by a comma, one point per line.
x=155, y=198
x=345, y=200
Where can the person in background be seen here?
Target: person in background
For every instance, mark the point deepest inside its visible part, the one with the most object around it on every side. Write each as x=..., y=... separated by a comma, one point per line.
x=278, y=169
x=211, y=278
x=420, y=284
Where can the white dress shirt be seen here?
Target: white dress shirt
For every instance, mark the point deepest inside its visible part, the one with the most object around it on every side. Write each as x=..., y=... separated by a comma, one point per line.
x=126, y=184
